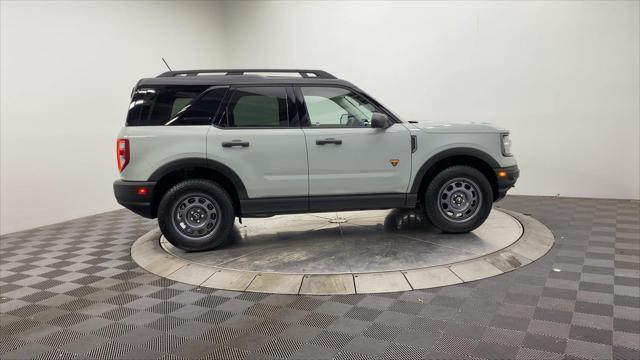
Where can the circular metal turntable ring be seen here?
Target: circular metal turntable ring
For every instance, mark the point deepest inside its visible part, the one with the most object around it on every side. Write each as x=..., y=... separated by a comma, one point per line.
x=349, y=253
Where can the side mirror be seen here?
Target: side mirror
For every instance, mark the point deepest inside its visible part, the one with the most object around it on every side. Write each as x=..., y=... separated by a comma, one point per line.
x=380, y=121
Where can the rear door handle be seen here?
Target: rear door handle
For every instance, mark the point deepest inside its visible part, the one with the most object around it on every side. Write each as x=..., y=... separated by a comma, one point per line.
x=329, y=141
x=228, y=144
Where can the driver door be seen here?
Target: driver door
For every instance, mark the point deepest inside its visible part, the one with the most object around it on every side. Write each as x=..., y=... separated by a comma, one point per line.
x=347, y=156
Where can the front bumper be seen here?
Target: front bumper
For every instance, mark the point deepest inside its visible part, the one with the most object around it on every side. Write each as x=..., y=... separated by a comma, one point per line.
x=130, y=195
x=507, y=178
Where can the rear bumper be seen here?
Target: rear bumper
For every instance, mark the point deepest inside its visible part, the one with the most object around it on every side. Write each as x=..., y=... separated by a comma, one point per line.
x=508, y=180
x=127, y=194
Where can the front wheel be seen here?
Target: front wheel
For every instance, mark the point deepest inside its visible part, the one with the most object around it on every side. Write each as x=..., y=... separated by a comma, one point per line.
x=458, y=199
x=196, y=215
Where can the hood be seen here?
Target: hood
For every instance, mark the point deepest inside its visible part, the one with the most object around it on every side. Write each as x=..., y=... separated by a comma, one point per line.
x=445, y=127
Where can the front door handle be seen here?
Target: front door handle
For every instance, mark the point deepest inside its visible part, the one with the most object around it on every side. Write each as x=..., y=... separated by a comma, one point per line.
x=329, y=141
x=228, y=144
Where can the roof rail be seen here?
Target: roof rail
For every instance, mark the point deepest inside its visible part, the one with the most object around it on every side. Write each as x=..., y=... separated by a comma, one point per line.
x=319, y=74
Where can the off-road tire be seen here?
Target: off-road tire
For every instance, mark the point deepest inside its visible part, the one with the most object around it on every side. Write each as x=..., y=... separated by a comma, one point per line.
x=465, y=185
x=201, y=203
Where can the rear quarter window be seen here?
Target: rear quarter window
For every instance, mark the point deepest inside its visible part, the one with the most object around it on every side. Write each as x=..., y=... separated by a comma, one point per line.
x=157, y=106
x=202, y=110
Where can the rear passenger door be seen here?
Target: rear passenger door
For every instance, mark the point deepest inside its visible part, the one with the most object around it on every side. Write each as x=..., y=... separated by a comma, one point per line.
x=257, y=134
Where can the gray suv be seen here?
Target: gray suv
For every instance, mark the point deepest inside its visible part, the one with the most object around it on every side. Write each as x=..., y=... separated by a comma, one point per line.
x=202, y=147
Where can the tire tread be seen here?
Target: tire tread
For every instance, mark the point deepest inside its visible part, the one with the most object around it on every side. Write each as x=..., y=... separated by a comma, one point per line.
x=218, y=237
x=432, y=191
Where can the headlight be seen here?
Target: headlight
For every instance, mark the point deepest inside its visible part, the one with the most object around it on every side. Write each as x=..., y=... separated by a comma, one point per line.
x=506, y=145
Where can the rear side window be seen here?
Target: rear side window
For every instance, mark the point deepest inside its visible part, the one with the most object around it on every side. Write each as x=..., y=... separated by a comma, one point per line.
x=157, y=106
x=257, y=107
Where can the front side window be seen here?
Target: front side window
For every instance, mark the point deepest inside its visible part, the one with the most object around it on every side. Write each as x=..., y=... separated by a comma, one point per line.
x=257, y=107
x=337, y=107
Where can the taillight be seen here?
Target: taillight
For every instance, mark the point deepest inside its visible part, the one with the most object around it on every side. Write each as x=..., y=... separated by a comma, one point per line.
x=122, y=151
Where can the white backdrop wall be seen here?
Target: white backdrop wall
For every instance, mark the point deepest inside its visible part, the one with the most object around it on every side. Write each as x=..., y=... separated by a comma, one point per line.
x=67, y=70
x=562, y=76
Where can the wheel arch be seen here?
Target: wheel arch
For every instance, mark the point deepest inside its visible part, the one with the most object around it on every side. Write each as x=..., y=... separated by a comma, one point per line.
x=190, y=168
x=475, y=158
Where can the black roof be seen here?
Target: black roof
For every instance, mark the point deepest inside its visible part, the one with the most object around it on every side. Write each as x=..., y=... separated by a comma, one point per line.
x=214, y=77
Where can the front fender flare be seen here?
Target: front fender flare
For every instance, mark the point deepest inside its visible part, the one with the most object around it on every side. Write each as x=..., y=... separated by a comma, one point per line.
x=458, y=151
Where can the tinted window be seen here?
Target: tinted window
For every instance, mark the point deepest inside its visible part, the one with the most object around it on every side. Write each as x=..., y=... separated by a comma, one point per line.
x=202, y=110
x=257, y=107
x=158, y=105
x=331, y=107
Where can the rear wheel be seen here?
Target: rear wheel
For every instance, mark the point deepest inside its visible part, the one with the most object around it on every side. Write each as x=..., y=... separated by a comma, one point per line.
x=196, y=215
x=458, y=199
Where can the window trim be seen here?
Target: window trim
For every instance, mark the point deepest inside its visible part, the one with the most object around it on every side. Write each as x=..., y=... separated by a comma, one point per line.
x=292, y=118
x=305, y=121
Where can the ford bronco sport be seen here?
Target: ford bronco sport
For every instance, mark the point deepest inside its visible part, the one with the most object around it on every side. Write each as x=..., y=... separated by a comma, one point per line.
x=202, y=147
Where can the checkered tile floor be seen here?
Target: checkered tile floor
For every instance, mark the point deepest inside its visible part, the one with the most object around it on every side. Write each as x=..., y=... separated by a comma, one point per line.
x=70, y=290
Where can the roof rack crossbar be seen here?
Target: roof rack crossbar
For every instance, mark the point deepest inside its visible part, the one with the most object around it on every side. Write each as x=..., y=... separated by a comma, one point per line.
x=319, y=74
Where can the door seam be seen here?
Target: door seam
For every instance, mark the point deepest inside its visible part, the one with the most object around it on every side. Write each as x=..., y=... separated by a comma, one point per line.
x=306, y=148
